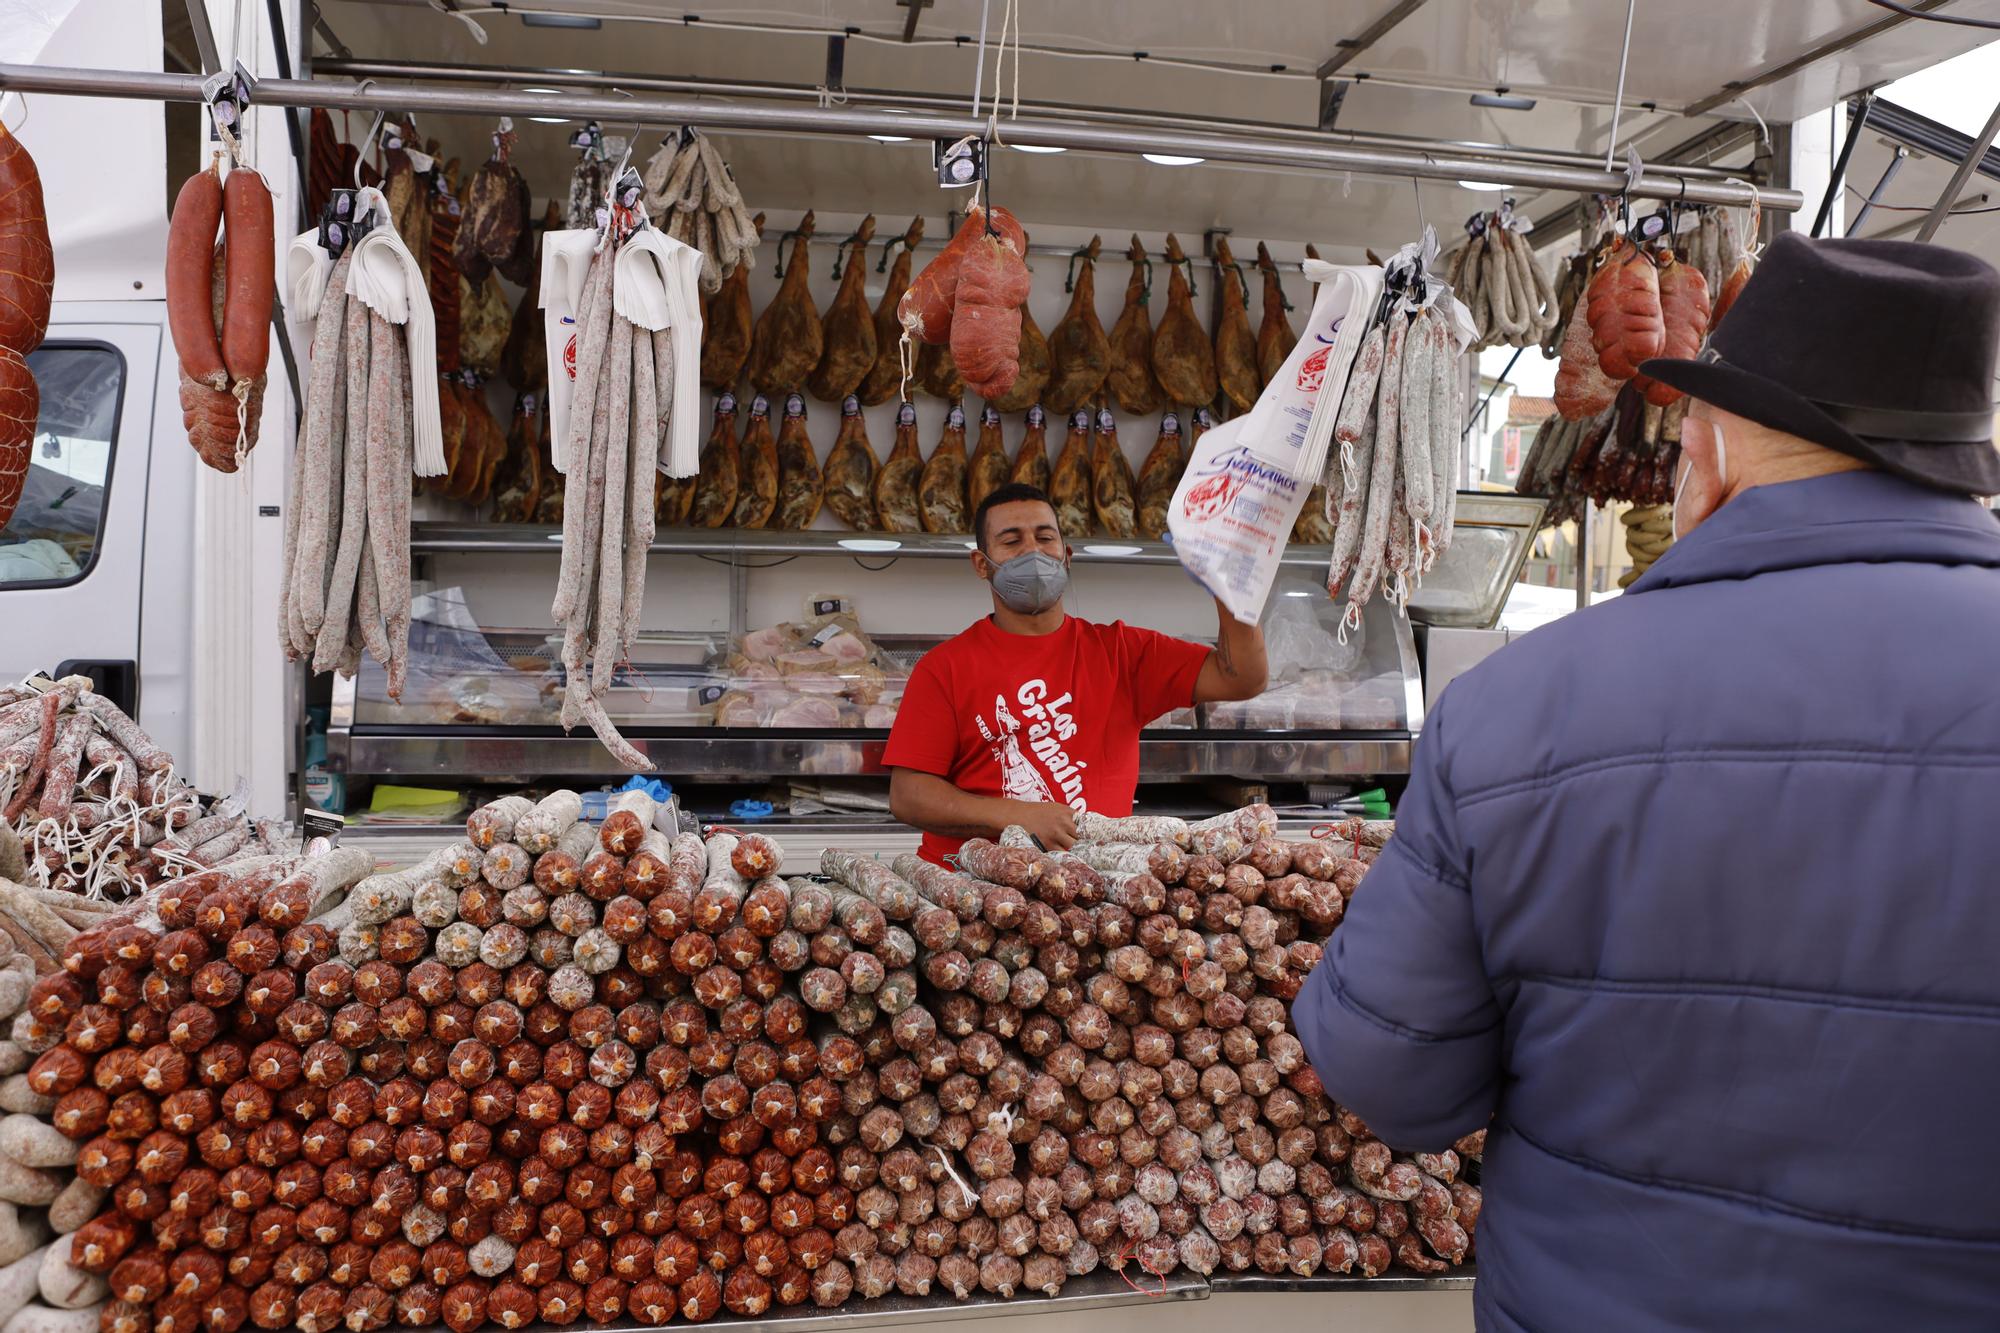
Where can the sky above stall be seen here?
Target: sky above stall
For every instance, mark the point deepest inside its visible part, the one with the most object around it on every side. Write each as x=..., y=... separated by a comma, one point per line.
x=1959, y=92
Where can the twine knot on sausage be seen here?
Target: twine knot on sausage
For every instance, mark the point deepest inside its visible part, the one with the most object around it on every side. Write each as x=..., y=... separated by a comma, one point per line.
x=944, y=1160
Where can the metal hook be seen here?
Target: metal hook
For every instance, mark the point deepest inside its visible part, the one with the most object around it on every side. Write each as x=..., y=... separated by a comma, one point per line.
x=374, y=133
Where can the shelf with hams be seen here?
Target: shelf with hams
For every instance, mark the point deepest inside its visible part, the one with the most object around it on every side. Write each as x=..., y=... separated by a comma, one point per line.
x=1467, y=586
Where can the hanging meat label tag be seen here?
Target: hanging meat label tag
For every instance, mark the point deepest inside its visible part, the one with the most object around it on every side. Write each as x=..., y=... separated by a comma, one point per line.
x=795, y=407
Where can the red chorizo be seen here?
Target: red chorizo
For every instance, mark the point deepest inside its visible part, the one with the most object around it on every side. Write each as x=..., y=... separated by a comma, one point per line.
x=190, y=279
x=27, y=261
x=249, y=273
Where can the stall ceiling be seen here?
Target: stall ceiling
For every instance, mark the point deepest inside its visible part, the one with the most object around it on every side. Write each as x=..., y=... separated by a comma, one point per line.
x=1419, y=74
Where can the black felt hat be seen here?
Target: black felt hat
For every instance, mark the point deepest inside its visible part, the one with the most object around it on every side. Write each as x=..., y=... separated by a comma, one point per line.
x=1882, y=350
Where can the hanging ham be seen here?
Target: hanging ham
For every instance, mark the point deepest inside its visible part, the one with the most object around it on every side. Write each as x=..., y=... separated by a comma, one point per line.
x=937, y=374
x=941, y=489
x=1183, y=358
x=1235, y=347
x=801, y=487
x=495, y=231
x=757, y=487
x=1130, y=373
x=1031, y=463
x=849, y=326
x=1275, y=338
x=721, y=466
x=726, y=331
x=987, y=470
x=896, y=508
x=1158, y=476
x=1079, y=353
x=789, y=337
x=850, y=471
x=1111, y=482
x=517, y=486
x=1069, y=483
x=524, y=363
x=884, y=380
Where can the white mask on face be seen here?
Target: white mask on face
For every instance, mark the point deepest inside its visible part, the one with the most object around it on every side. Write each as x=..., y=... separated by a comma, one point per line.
x=1687, y=470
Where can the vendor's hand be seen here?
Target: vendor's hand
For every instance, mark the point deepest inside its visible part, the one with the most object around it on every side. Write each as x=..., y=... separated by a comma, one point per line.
x=1052, y=823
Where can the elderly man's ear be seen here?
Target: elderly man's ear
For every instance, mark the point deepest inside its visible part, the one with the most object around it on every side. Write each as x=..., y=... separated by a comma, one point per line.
x=1702, y=484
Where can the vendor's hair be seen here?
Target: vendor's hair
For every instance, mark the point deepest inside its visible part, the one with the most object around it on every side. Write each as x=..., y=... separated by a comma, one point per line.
x=1012, y=493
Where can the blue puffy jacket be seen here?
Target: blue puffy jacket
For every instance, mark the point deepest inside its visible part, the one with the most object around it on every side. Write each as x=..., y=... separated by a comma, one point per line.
x=1697, y=895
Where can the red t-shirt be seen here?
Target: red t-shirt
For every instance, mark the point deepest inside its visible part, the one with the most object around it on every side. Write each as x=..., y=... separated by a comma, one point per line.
x=1040, y=717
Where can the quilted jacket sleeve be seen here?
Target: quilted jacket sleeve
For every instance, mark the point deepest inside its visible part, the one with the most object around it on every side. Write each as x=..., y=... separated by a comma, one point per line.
x=1399, y=1019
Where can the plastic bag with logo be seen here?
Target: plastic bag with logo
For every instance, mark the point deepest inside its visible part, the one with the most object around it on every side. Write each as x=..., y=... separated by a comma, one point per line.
x=1248, y=478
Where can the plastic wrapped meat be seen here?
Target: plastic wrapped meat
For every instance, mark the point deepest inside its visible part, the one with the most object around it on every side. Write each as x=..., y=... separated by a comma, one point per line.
x=765, y=645
x=806, y=660
x=737, y=709
x=881, y=716
x=846, y=649
x=807, y=711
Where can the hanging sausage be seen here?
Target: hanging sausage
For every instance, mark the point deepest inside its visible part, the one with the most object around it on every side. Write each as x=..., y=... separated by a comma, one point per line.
x=27, y=286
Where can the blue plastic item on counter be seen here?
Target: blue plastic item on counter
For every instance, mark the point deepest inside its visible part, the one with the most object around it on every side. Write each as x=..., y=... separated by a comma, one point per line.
x=597, y=804
x=750, y=810
x=653, y=787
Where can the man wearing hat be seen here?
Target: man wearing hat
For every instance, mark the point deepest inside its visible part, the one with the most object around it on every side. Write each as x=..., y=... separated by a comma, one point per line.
x=1695, y=895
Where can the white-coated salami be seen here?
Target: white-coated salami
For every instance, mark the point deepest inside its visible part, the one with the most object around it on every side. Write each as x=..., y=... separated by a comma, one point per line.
x=1420, y=364
x=1374, y=551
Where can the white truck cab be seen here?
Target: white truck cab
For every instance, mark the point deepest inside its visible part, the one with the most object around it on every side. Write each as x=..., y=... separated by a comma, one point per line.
x=96, y=563
x=127, y=560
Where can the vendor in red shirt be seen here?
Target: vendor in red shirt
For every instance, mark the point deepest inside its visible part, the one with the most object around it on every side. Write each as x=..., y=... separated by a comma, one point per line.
x=1032, y=716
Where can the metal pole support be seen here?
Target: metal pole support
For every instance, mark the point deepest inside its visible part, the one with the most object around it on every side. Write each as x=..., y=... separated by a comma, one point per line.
x=1967, y=165
x=1837, y=181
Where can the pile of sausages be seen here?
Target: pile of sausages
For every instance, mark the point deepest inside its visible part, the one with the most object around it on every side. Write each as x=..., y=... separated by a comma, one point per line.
x=619, y=411
x=345, y=588
x=43, y=1203
x=220, y=319
x=558, y=1071
x=27, y=287
x=95, y=802
x=1397, y=450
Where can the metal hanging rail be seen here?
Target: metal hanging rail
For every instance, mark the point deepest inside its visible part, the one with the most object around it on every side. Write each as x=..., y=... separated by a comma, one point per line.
x=608, y=80
x=846, y=122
